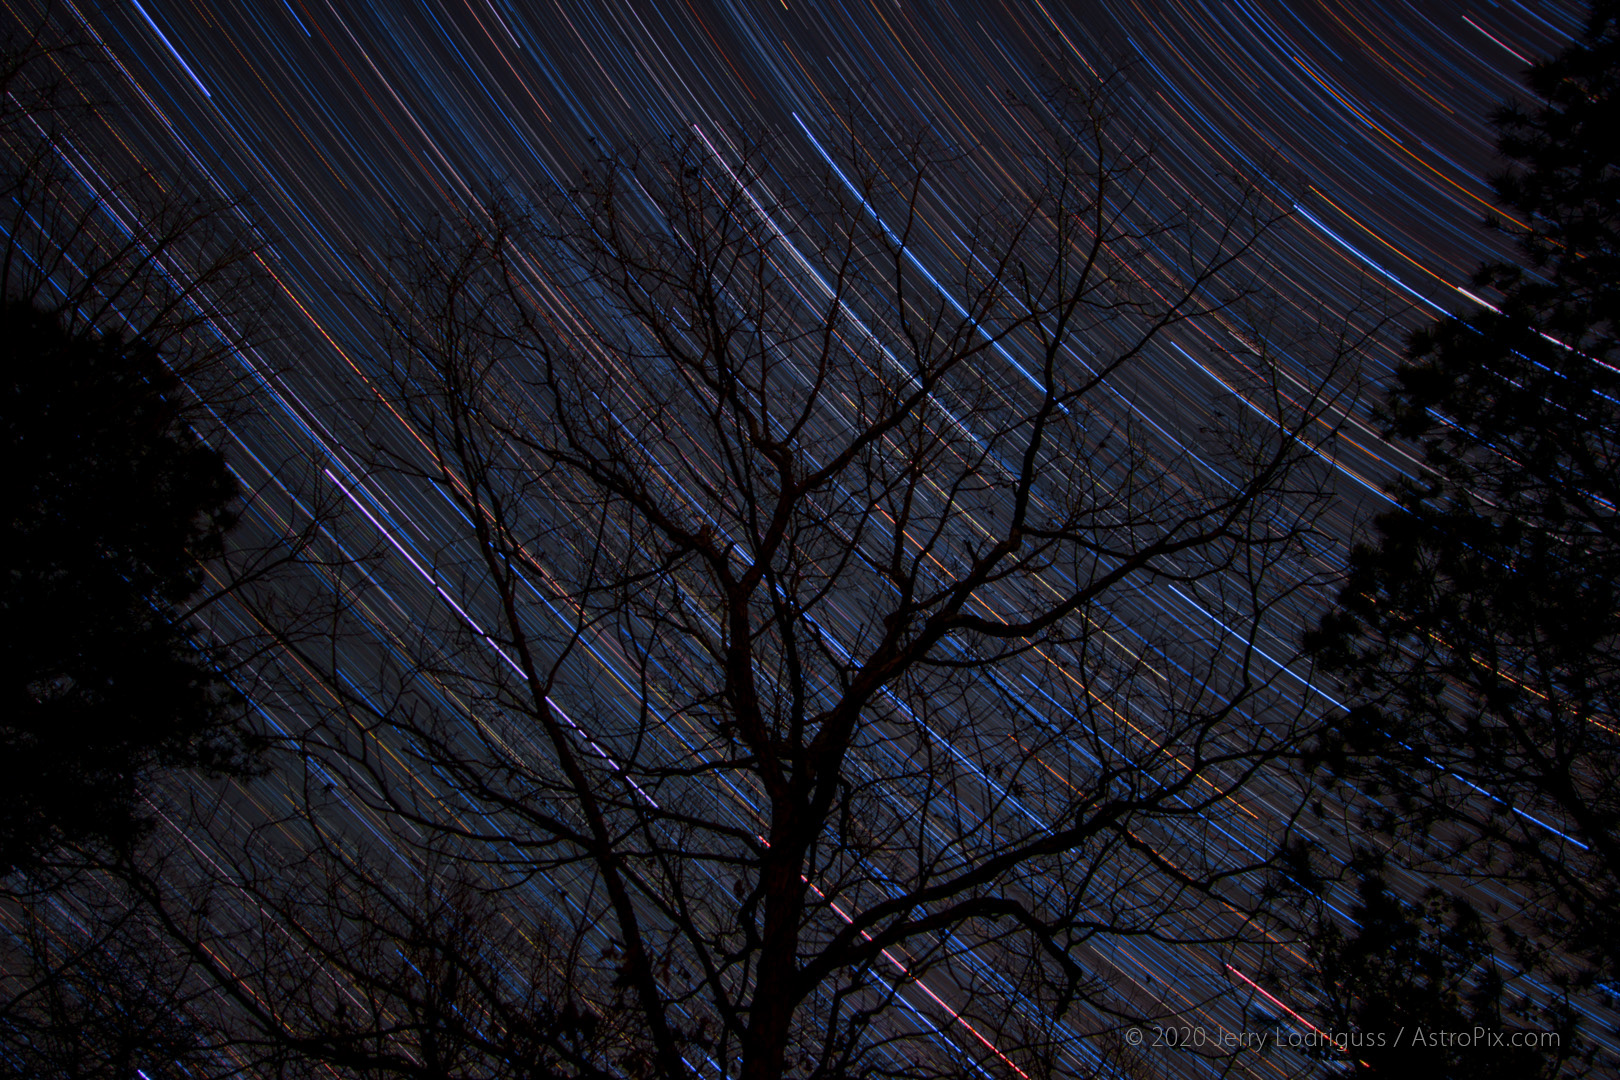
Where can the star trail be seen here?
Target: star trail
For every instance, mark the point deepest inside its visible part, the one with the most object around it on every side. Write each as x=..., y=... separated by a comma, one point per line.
x=1355, y=136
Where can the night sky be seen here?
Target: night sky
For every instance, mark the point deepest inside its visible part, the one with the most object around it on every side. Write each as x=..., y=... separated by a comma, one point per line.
x=1364, y=123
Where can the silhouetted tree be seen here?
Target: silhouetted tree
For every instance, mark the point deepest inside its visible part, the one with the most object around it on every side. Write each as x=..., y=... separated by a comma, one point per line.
x=118, y=249
x=112, y=507
x=1479, y=630
x=769, y=654
x=115, y=377
x=128, y=315
x=1412, y=991
x=108, y=1003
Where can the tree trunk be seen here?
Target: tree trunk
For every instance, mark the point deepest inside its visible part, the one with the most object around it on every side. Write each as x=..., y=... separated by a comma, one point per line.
x=776, y=988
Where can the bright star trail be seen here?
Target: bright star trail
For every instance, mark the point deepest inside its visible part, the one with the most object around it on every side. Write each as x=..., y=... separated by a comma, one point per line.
x=1362, y=126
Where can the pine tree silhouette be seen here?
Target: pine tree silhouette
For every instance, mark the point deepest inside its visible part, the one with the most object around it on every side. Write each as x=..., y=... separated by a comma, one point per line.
x=112, y=505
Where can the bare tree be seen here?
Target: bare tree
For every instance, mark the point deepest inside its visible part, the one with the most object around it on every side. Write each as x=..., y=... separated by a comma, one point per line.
x=835, y=658
x=110, y=246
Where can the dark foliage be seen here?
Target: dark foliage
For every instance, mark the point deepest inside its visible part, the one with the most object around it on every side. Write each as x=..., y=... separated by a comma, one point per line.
x=1479, y=627
x=112, y=506
x=1408, y=980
